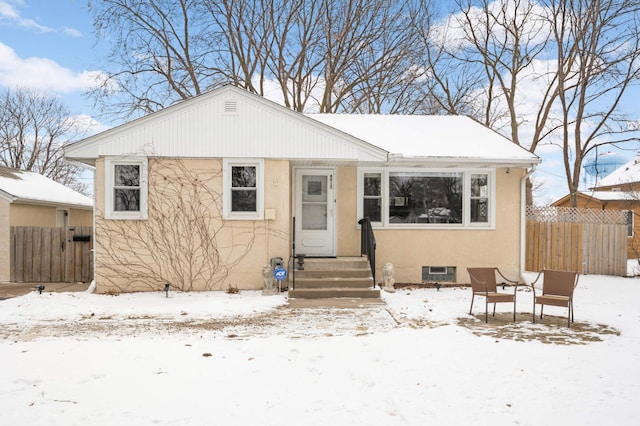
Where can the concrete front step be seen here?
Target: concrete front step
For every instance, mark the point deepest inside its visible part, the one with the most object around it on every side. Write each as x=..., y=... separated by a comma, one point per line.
x=333, y=281
x=326, y=278
x=325, y=264
x=335, y=272
x=327, y=293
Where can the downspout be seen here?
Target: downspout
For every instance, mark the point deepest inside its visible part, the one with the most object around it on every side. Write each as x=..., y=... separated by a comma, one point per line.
x=523, y=220
x=92, y=285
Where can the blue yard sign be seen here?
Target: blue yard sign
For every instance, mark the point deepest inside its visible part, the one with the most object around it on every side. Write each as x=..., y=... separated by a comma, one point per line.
x=280, y=273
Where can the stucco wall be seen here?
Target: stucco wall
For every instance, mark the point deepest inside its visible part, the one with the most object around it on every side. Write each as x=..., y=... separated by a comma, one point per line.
x=31, y=215
x=45, y=216
x=411, y=249
x=143, y=255
x=79, y=217
x=348, y=234
x=184, y=241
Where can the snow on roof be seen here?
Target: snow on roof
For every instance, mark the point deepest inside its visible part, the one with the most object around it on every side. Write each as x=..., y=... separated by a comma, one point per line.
x=612, y=195
x=37, y=189
x=434, y=136
x=629, y=173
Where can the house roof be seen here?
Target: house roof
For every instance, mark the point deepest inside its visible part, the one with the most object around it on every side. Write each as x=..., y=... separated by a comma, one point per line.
x=210, y=126
x=33, y=188
x=433, y=137
x=628, y=173
x=603, y=196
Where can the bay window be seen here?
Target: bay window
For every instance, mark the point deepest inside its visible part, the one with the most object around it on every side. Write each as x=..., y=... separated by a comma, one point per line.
x=435, y=198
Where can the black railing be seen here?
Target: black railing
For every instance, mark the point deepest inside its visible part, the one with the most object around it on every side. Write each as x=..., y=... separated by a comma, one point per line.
x=292, y=262
x=368, y=245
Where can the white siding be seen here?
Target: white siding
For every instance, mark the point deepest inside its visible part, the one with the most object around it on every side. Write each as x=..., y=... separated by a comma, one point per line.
x=200, y=127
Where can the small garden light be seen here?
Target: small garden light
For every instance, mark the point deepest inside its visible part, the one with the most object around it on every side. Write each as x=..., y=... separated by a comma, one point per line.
x=166, y=289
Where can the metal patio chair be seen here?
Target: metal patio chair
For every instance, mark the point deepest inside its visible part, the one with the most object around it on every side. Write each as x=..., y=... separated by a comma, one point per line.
x=483, y=283
x=557, y=290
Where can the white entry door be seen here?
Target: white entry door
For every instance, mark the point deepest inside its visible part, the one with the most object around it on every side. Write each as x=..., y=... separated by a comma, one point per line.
x=315, y=212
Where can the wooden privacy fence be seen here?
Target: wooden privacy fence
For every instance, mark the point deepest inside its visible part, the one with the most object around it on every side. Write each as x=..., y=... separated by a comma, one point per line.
x=588, y=241
x=51, y=254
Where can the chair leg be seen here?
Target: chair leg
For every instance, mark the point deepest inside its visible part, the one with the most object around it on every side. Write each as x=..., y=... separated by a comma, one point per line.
x=514, y=310
x=533, y=316
x=494, y=309
x=541, y=309
x=571, y=303
x=486, y=310
x=472, y=296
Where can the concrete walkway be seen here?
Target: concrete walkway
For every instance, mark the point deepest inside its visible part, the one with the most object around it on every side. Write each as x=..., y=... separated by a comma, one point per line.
x=9, y=290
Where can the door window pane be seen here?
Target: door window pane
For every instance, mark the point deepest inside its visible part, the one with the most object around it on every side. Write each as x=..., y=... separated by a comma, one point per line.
x=314, y=189
x=314, y=217
x=314, y=203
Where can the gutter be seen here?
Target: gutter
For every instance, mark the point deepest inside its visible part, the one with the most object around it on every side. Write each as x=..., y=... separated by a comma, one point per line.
x=523, y=220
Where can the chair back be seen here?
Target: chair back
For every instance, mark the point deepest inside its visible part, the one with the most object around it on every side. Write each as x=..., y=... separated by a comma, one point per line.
x=482, y=279
x=559, y=283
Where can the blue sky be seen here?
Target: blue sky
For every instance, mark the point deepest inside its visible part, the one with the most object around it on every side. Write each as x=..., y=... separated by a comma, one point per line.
x=49, y=45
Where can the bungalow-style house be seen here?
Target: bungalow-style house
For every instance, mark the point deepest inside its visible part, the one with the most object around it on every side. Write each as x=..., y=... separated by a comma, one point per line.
x=203, y=194
x=31, y=199
x=620, y=190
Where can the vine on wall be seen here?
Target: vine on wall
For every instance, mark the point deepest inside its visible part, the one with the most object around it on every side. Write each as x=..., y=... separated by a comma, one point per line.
x=183, y=242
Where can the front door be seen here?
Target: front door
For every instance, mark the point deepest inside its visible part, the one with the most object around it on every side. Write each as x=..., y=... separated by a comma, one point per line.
x=315, y=212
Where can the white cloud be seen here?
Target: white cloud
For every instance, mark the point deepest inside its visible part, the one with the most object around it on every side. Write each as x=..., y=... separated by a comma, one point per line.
x=72, y=32
x=86, y=125
x=42, y=74
x=453, y=31
x=8, y=12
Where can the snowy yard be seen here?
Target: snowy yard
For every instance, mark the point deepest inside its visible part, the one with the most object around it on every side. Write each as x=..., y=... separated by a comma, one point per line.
x=244, y=359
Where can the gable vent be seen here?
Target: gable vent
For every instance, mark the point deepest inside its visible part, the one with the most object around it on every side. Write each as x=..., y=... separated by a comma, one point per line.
x=230, y=106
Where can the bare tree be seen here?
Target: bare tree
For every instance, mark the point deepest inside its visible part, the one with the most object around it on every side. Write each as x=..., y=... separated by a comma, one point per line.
x=33, y=128
x=526, y=61
x=163, y=50
x=598, y=47
x=329, y=55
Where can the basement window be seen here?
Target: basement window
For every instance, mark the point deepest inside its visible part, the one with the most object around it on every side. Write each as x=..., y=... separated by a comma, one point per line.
x=438, y=273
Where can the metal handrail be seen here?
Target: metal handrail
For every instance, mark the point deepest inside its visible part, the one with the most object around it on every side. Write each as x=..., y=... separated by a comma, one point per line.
x=368, y=245
x=293, y=254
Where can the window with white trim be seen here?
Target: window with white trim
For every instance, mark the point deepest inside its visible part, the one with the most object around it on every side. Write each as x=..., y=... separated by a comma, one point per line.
x=126, y=188
x=243, y=192
x=630, y=224
x=479, y=198
x=396, y=197
x=372, y=197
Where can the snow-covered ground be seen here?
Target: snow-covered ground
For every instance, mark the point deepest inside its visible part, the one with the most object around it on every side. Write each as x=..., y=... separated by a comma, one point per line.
x=244, y=359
